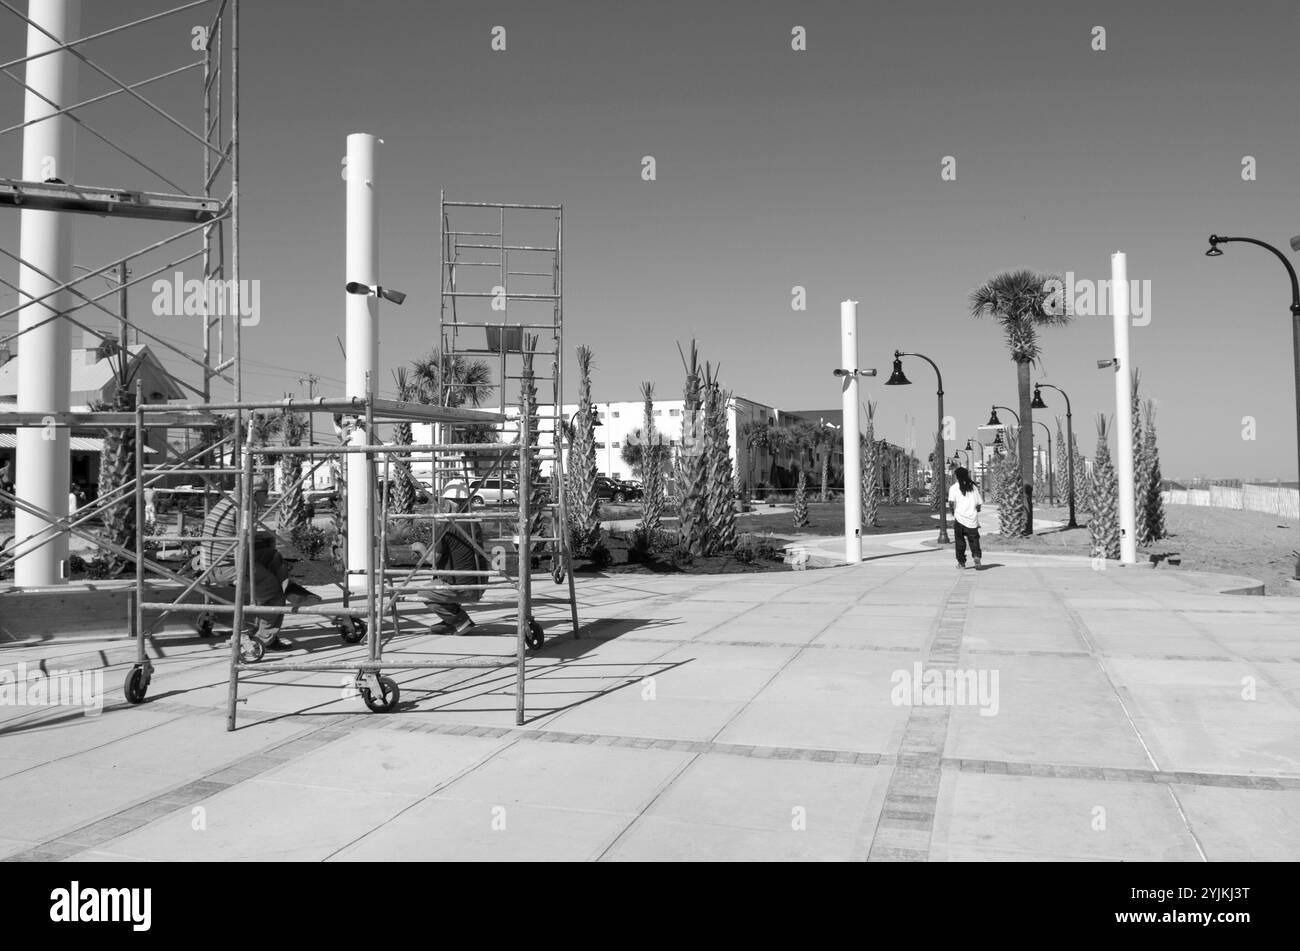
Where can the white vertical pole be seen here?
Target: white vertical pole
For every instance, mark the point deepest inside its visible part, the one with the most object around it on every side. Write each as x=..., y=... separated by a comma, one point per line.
x=852, y=447
x=1123, y=409
x=44, y=354
x=362, y=328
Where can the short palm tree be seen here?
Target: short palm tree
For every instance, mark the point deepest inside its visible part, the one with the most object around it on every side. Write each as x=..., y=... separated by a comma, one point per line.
x=293, y=507
x=1020, y=301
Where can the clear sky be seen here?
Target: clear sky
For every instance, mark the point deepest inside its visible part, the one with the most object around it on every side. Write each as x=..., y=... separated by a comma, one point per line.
x=775, y=168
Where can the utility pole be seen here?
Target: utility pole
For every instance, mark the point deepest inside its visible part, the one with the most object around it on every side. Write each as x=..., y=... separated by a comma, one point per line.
x=310, y=382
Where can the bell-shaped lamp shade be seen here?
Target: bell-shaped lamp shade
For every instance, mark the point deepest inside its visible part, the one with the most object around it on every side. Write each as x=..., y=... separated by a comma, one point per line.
x=993, y=419
x=897, y=378
x=1038, y=400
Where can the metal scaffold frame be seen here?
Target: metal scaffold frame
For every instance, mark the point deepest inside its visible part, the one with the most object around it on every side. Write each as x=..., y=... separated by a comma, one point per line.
x=465, y=247
x=209, y=213
x=384, y=587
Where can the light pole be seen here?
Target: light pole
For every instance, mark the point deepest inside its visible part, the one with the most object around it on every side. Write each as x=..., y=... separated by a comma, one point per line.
x=1214, y=252
x=850, y=373
x=1069, y=440
x=993, y=416
x=897, y=378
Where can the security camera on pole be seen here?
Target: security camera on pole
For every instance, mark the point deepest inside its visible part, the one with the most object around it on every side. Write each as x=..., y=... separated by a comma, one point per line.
x=849, y=373
x=362, y=353
x=1123, y=409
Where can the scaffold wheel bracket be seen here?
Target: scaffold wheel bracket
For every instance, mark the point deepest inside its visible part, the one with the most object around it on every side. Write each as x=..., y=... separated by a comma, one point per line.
x=380, y=693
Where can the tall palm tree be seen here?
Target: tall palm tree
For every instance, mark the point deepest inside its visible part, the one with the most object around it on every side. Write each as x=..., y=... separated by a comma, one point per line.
x=752, y=432
x=1020, y=301
x=584, y=506
x=720, y=500
x=692, y=466
x=777, y=441
x=870, y=472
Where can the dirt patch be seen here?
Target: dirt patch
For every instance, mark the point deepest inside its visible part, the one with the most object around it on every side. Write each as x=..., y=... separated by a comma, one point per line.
x=1201, y=538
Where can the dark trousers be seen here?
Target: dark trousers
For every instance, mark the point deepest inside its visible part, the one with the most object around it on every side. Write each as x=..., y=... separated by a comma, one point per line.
x=963, y=534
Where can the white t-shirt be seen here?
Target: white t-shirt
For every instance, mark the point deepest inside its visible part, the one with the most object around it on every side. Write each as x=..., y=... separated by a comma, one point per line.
x=965, y=505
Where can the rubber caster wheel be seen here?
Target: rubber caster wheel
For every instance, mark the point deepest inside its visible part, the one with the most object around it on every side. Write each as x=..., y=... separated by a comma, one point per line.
x=251, y=650
x=205, y=625
x=535, y=637
x=557, y=572
x=387, y=701
x=352, y=632
x=136, y=686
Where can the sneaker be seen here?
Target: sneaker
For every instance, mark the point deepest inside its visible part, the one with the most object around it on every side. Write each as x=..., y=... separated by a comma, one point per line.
x=442, y=627
x=961, y=566
x=464, y=625
x=279, y=644
x=977, y=563
x=298, y=596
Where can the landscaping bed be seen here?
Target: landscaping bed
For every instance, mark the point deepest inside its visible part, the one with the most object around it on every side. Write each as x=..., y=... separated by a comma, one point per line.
x=1226, y=541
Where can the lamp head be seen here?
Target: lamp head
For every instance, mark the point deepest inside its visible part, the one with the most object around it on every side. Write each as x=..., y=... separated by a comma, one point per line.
x=898, y=378
x=1214, y=251
x=994, y=421
x=1038, y=400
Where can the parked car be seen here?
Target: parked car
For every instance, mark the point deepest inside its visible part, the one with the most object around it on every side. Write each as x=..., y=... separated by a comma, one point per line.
x=609, y=490
x=493, y=492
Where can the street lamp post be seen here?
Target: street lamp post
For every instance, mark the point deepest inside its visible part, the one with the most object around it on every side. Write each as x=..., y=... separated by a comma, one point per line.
x=1069, y=440
x=1214, y=252
x=897, y=378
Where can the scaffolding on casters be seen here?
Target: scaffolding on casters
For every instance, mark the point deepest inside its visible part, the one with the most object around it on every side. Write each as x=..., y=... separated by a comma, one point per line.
x=200, y=222
x=384, y=587
x=479, y=284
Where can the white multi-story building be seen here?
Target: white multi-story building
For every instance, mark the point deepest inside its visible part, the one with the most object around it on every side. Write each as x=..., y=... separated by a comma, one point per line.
x=618, y=423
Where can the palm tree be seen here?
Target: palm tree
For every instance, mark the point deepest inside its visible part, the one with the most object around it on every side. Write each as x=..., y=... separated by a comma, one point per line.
x=1020, y=300
x=653, y=452
x=752, y=433
x=1103, y=526
x=870, y=472
x=778, y=441
x=402, y=498
x=453, y=380
x=720, y=507
x=584, y=507
x=443, y=379
x=293, y=508
x=262, y=429
x=692, y=466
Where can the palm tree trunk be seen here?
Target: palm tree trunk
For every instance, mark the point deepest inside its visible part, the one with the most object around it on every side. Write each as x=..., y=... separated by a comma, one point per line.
x=1026, y=444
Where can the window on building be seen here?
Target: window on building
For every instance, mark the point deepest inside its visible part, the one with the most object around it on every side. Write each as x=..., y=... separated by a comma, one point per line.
x=659, y=412
x=600, y=445
x=672, y=442
x=674, y=412
x=616, y=414
x=616, y=446
x=618, y=475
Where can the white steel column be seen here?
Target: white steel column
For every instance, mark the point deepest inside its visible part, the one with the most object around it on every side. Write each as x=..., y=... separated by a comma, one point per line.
x=1123, y=409
x=44, y=354
x=362, y=327
x=852, y=447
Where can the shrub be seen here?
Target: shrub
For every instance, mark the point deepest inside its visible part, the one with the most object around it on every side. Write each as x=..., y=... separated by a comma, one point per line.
x=599, y=555
x=310, y=540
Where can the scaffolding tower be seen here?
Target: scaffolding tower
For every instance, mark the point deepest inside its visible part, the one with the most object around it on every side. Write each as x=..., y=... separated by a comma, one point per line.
x=196, y=211
x=501, y=279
